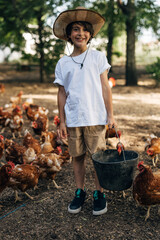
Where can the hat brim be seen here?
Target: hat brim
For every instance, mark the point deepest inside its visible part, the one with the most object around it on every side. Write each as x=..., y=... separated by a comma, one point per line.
x=66, y=17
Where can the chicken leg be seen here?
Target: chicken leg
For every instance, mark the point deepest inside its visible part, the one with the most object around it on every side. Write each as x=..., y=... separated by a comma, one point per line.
x=32, y=198
x=148, y=213
x=55, y=184
x=17, y=198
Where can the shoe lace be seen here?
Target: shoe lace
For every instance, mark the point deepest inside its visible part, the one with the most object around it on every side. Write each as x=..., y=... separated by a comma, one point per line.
x=78, y=192
x=95, y=195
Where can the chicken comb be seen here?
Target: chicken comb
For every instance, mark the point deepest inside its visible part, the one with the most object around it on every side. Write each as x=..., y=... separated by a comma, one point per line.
x=140, y=163
x=59, y=149
x=119, y=133
x=11, y=164
x=34, y=124
x=56, y=120
x=1, y=137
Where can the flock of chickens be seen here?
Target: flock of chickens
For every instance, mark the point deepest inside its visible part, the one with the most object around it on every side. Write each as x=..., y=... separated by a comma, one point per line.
x=33, y=159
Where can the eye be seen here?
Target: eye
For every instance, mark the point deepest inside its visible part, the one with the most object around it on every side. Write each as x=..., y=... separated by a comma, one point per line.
x=75, y=29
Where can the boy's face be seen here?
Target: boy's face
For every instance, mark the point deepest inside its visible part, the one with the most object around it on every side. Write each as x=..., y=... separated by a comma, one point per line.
x=79, y=36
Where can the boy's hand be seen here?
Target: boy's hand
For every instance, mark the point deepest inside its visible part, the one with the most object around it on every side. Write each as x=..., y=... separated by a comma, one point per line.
x=111, y=122
x=62, y=131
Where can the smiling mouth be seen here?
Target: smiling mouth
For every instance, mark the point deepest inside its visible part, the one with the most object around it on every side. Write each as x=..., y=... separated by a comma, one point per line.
x=80, y=39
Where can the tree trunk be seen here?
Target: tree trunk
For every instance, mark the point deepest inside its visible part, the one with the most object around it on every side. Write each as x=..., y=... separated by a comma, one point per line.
x=110, y=46
x=130, y=12
x=41, y=48
x=131, y=74
x=110, y=32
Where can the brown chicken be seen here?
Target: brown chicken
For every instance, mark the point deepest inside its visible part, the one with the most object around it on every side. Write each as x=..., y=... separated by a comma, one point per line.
x=16, y=111
x=19, y=177
x=111, y=132
x=65, y=156
x=120, y=148
x=146, y=187
x=46, y=147
x=1, y=145
x=29, y=156
x=15, y=124
x=8, y=113
x=49, y=165
x=152, y=147
x=30, y=142
x=59, y=140
x=17, y=153
x=4, y=115
x=40, y=124
x=52, y=137
x=56, y=121
x=5, y=170
x=17, y=99
x=33, y=111
x=9, y=107
x=14, y=152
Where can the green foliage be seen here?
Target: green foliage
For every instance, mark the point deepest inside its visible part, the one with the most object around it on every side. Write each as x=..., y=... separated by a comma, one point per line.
x=148, y=15
x=117, y=54
x=113, y=16
x=19, y=17
x=154, y=69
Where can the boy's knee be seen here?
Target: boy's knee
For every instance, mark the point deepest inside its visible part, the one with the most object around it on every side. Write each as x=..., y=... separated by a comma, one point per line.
x=79, y=158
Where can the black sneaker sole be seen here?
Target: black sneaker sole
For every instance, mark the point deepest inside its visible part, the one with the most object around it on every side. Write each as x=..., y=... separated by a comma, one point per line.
x=74, y=211
x=97, y=213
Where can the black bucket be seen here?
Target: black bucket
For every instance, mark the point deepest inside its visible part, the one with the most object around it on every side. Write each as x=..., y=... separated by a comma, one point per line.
x=115, y=173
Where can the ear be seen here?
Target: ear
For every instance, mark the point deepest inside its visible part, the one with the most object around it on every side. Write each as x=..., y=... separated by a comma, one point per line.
x=69, y=39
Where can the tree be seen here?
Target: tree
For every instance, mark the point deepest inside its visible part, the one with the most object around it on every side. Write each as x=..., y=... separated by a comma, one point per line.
x=138, y=14
x=42, y=33
x=129, y=11
x=19, y=17
x=114, y=24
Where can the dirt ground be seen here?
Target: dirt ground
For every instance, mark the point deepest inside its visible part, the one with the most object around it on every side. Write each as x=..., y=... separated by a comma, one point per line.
x=137, y=114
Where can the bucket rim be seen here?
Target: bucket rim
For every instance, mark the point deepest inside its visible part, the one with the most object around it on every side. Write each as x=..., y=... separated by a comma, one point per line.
x=109, y=163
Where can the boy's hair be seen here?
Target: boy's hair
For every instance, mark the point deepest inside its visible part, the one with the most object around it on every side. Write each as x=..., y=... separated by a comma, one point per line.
x=88, y=26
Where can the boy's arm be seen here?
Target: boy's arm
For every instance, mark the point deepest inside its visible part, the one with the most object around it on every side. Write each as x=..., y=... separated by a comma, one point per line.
x=61, y=104
x=107, y=96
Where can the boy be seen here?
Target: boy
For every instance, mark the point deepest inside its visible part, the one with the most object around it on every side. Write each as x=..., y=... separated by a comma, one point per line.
x=84, y=98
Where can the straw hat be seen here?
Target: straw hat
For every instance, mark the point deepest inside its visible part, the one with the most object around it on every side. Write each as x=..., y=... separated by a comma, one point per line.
x=78, y=14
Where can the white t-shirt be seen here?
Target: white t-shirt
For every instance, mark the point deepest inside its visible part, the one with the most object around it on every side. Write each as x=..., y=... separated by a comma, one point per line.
x=84, y=104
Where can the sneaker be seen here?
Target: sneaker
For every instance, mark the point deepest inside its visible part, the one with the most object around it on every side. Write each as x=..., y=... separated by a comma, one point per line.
x=99, y=204
x=76, y=205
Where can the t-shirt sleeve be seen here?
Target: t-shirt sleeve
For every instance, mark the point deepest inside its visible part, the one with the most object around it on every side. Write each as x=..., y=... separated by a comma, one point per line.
x=103, y=63
x=58, y=75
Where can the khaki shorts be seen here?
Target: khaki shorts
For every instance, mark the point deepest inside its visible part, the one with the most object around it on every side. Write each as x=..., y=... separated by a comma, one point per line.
x=86, y=139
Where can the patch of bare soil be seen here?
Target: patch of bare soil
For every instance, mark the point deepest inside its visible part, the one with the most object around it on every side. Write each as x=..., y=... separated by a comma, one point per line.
x=137, y=114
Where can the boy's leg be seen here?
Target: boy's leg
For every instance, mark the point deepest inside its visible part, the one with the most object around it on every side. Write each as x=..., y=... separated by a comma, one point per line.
x=98, y=187
x=79, y=170
x=95, y=141
x=77, y=148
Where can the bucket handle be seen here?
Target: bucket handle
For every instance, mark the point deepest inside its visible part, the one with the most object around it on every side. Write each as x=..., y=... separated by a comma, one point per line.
x=120, y=143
